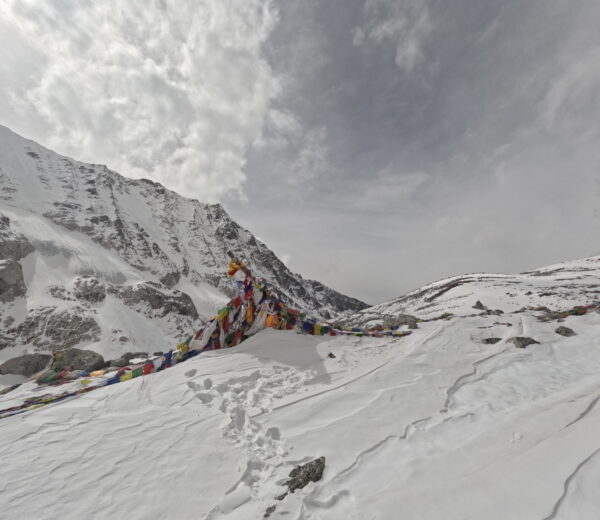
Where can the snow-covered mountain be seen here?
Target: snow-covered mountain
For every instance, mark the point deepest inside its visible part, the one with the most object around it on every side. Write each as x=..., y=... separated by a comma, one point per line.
x=90, y=258
x=558, y=286
x=452, y=422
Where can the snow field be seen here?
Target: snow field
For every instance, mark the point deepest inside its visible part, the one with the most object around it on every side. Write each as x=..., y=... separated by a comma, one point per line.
x=433, y=425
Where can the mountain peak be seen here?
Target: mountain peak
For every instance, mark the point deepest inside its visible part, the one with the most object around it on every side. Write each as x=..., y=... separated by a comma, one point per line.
x=144, y=245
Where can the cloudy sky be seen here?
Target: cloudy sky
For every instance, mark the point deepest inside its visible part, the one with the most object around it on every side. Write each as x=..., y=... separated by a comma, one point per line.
x=375, y=145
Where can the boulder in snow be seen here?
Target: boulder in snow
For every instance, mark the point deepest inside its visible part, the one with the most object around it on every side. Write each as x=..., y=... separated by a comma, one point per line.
x=125, y=359
x=391, y=321
x=25, y=365
x=522, y=342
x=492, y=312
x=301, y=475
x=78, y=359
x=565, y=331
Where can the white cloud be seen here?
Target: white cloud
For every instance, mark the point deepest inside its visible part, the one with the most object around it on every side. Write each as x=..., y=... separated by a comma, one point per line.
x=389, y=188
x=286, y=259
x=574, y=96
x=176, y=90
x=406, y=24
x=311, y=162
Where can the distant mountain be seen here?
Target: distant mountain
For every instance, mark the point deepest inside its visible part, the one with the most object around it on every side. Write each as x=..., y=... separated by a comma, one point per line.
x=94, y=259
x=558, y=286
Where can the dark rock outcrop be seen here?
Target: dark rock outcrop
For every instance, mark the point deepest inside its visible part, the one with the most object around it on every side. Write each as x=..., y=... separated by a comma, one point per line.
x=492, y=312
x=77, y=359
x=300, y=476
x=565, y=331
x=491, y=341
x=522, y=342
x=170, y=280
x=124, y=360
x=14, y=245
x=25, y=365
x=12, y=283
x=89, y=289
x=160, y=300
x=51, y=329
x=391, y=321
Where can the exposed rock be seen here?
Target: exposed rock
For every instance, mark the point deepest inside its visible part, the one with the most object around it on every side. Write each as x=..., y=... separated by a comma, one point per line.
x=14, y=246
x=171, y=279
x=550, y=316
x=171, y=237
x=565, y=331
x=25, y=365
x=78, y=359
x=492, y=312
x=300, y=476
x=89, y=289
x=12, y=284
x=124, y=360
x=60, y=293
x=51, y=329
x=163, y=301
x=391, y=321
x=479, y=306
x=542, y=308
x=522, y=342
x=491, y=341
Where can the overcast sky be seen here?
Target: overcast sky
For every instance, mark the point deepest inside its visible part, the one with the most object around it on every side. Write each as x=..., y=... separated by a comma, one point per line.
x=374, y=145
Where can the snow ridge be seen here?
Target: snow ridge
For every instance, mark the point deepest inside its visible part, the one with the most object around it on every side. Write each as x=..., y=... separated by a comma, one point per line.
x=138, y=263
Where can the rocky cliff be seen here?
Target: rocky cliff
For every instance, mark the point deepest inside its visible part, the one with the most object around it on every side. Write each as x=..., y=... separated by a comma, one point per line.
x=91, y=258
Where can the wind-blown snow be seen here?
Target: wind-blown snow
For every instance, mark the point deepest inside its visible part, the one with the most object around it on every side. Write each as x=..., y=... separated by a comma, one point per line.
x=434, y=425
x=144, y=245
x=438, y=424
x=558, y=286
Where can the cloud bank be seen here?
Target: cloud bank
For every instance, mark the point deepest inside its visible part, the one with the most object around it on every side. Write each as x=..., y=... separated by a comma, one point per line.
x=377, y=144
x=172, y=90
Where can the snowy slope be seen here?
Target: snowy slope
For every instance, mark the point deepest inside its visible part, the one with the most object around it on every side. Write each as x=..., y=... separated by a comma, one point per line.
x=437, y=425
x=114, y=264
x=559, y=286
x=434, y=425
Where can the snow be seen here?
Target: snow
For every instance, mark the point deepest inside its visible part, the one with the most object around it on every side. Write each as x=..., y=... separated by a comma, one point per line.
x=559, y=286
x=433, y=425
x=85, y=220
